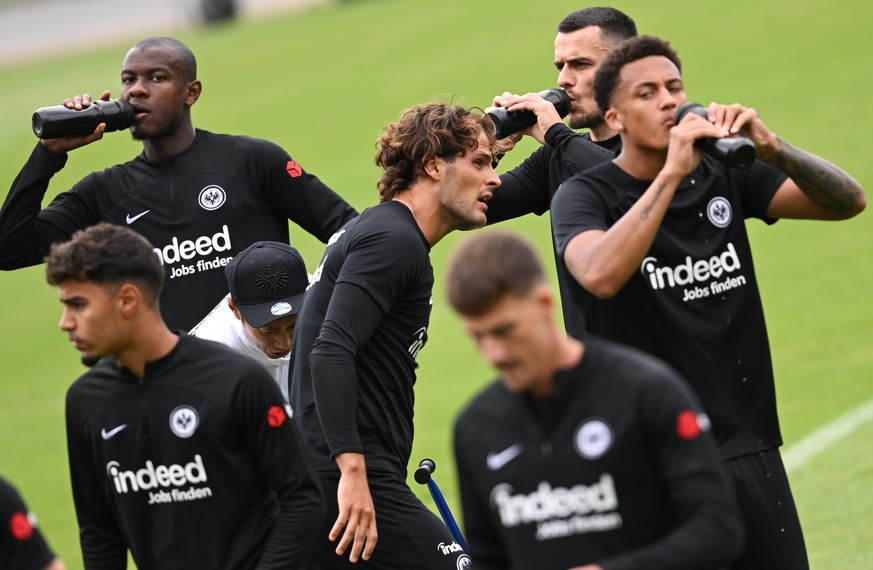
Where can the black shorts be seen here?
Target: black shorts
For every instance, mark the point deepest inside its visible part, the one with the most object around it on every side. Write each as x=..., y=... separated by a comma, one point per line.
x=410, y=535
x=774, y=539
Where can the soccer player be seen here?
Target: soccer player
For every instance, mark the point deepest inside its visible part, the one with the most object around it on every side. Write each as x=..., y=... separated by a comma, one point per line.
x=586, y=455
x=657, y=243
x=180, y=449
x=267, y=283
x=195, y=195
x=22, y=546
x=362, y=326
x=584, y=39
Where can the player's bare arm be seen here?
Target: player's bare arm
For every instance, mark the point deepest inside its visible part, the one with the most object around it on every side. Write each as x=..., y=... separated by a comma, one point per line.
x=603, y=262
x=834, y=193
x=817, y=189
x=357, y=514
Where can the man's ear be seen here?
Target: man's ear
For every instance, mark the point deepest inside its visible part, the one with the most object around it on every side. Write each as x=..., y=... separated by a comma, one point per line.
x=128, y=299
x=543, y=296
x=434, y=167
x=233, y=309
x=613, y=119
x=195, y=88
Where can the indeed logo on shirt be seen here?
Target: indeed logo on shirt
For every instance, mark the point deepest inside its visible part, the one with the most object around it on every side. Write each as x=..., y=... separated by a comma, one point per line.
x=693, y=272
x=203, y=246
x=161, y=477
x=559, y=511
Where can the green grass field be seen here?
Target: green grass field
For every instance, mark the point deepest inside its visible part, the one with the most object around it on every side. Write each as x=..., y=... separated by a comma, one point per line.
x=323, y=83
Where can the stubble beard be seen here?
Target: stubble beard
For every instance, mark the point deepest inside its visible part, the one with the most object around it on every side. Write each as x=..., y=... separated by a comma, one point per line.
x=468, y=218
x=471, y=224
x=587, y=121
x=465, y=214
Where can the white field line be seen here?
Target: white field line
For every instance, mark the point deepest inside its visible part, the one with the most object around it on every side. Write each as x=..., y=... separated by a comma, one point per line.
x=797, y=455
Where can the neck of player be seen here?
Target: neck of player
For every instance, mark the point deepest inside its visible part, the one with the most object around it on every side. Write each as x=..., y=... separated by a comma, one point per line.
x=641, y=163
x=170, y=145
x=148, y=343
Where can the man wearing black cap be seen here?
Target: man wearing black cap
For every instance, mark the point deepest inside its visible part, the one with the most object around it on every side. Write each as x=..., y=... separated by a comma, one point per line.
x=267, y=282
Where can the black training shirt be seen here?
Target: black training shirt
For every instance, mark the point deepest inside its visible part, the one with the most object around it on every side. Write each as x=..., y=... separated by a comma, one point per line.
x=529, y=187
x=196, y=465
x=197, y=208
x=694, y=301
x=361, y=327
x=623, y=474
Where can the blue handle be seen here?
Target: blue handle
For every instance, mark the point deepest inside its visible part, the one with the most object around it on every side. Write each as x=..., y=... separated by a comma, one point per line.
x=446, y=513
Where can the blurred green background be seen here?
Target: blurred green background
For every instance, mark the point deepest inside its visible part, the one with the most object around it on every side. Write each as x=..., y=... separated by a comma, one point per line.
x=322, y=83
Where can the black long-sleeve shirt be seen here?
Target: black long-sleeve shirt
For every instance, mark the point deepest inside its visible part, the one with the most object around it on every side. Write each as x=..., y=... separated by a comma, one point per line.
x=197, y=208
x=615, y=469
x=196, y=465
x=529, y=187
x=695, y=301
x=362, y=326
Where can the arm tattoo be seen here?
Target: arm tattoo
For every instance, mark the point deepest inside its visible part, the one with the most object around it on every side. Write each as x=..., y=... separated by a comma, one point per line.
x=827, y=185
x=647, y=210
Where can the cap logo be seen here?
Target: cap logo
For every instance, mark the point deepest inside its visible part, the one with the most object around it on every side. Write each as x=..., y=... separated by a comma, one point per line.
x=272, y=280
x=280, y=308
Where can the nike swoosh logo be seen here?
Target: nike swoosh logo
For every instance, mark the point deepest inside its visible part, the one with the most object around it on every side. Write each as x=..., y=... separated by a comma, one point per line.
x=496, y=461
x=109, y=434
x=131, y=219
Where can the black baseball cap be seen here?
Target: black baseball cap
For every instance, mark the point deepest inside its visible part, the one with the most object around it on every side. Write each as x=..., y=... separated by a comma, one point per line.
x=267, y=281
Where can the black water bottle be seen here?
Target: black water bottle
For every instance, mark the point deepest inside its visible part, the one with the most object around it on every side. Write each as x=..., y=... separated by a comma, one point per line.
x=61, y=121
x=508, y=123
x=736, y=151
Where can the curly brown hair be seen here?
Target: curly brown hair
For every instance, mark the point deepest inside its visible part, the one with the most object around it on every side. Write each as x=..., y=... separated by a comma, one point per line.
x=422, y=133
